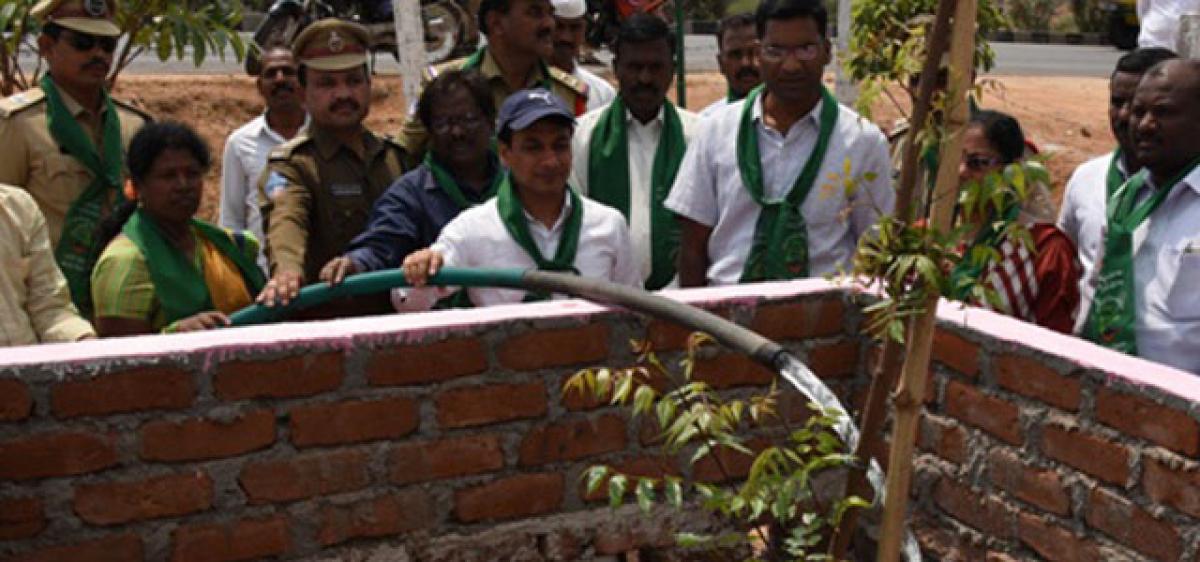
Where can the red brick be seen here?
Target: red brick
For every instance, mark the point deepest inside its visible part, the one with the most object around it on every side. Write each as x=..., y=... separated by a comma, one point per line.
x=667, y=336
x=801, y=320
x=161, y=496
x=523, y=495
x=153, y=388
x=573, y=440
x=625, y=541
x=448, y=458
x=1178, y=488
x=427, y=363
x=974, y=508
x=732, y=370
x=1039, y=487
x=493, y=403
x=15, y=402
x=1132, y=526
x=1028, y=377
x=248, y=539
x=116, y=548
x=56, y=454
x=1092, y=454
x=1054, y=543
x=993, y=415
x=837, y=360
x=640, y=467
x=387, y=515
x=199, y=439
x=303, y=477
x=955, y=352
x=541, y=349
x=943, y=437
x=287, y=377
x=21, y=518
x=724, y=464
x=353, y=421
x=1140, y=417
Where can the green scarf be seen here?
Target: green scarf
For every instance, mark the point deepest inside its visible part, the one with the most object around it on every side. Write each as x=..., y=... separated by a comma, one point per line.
x=180, y=287
x=512, y=213
x=1111, y=321
x=780, y=247
x=446, y=182
x=1115, y=178
x=74, y=250
x=608, y=181
x=476, y=60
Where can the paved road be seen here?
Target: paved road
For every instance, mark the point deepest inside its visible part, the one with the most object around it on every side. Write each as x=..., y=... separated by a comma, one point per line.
x=1012, y=58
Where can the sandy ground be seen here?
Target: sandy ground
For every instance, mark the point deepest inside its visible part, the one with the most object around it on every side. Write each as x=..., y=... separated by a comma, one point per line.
x=1065, y=116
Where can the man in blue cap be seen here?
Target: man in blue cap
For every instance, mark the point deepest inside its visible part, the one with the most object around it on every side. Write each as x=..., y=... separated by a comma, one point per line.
x=534, y=221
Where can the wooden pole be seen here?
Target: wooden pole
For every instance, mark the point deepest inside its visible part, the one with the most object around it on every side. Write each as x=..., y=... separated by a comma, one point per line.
x=884, y=379
x=844, y=89
x=410, y=46
x=910, y=395
x=680, y=70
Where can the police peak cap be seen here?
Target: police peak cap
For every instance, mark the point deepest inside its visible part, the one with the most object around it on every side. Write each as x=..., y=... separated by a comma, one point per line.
x=569, y=9
x=527, y=107
x=332, y=44
x=93, y=17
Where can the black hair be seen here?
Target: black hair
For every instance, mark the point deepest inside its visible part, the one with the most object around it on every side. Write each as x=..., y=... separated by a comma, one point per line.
x=1002, y=131
x=791, y=9
x=52, y=29
x=1138, y=61
x=486, y=6
x=643, y=28
x=451, y=81
x=302, y=73
x=730, y=23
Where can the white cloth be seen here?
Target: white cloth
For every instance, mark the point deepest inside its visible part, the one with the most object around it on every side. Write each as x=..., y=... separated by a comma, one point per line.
x=245, y=157
x=1166, y=270
x=643, y=144
x=709, y=188
x=1160, y=21
x=714, y=107
x=599, y=92
x=477, y=238
x=1083, y=218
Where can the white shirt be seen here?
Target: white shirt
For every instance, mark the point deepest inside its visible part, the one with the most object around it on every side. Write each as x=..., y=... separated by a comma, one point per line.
x=477, y=238
x=599, y=93
x=643, y=145
x=1166, y=271
x=1083, y=217
x=246, y=152
x=714, y=107
x=709, y=188
x=1160, y=20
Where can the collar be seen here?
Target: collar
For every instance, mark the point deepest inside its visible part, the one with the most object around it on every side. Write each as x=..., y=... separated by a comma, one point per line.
x=429, y=184
x=657, y=121
x=75, y=107
x=328, y=145
x=562, y=214
x=490, y=69
x=1192, y=180
x=264, y=127
x=813, y=116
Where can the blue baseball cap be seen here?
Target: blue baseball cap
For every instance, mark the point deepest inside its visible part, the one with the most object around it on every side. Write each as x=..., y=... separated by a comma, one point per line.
x=527, y=107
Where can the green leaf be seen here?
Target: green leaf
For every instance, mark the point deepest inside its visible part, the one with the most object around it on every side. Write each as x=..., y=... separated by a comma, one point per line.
x=594, y=476
x=616, y=489
x=645, y=494
x=673, y=491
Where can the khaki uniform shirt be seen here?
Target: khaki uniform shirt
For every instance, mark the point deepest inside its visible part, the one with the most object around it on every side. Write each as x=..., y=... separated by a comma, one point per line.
x=317, y=194
x=35, y=304
x=30, y=157
x=571, y=90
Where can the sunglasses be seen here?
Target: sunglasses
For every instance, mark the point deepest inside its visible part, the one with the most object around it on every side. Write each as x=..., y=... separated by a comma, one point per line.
x=83, y=42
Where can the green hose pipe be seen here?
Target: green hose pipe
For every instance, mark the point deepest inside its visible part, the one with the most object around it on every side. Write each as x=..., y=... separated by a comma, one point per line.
x=371, y=283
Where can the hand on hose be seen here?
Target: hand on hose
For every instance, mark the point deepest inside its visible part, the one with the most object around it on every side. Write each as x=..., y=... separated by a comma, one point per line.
x=337, y=270
x=420, y=265
x=203, y=321
x=281, y=289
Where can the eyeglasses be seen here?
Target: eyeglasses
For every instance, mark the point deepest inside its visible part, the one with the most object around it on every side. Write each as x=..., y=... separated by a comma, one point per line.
x=467, y=123
x=84, y=42
x=775, y=53
x=980, y=162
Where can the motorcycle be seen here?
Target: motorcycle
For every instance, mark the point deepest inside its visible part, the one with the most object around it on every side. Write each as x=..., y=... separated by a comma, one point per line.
x=604, y=17
x=450, y=27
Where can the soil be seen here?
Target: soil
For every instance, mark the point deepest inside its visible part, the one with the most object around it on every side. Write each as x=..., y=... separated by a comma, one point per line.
x=1065, y=117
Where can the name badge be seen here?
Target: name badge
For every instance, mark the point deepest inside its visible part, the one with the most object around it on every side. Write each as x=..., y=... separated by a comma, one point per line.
x=346, y=190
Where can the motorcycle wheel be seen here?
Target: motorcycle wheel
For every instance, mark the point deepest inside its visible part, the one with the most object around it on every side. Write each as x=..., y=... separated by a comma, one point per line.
x=446, y=29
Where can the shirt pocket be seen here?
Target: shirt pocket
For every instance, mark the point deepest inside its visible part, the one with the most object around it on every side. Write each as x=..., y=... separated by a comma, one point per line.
x=1183, y=298
x=63, y=179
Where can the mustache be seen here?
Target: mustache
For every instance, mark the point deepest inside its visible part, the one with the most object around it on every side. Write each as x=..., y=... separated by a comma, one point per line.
x=748, y=73
x=346, y=104
x=97, y=63
x=282, y=88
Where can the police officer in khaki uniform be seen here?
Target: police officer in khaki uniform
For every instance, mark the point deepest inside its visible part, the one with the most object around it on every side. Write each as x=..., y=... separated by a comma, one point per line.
x=520, y=36
x=64, y=140
x=318, y=188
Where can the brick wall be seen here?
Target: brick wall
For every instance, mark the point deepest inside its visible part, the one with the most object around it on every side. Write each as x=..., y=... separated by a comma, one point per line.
x=444, y=436
x=440, y=436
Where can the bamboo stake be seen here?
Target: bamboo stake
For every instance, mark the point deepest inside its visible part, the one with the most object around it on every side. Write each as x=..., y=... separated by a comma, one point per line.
x=875, y=409
x=910, y=395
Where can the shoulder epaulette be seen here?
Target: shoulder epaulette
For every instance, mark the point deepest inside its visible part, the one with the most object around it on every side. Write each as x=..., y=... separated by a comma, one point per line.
x=21, y=101
x=284, y=151
x=574, y=84
x=133, y=109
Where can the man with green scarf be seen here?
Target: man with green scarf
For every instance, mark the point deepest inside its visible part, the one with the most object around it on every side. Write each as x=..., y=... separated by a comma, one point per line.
x=64, y=140
x=783, y=184
x=535, y=221
x=520, y=39
x=627, y=153
x=737, y=59
x=1085, y=197
x=1148, y=270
